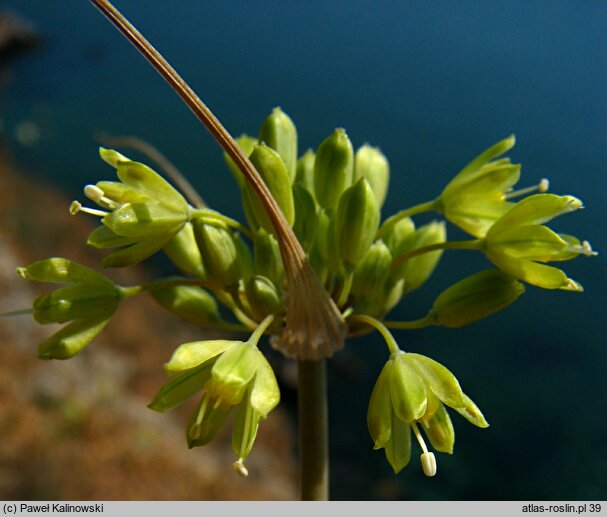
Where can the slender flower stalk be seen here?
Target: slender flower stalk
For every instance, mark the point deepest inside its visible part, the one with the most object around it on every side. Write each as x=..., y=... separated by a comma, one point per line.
x=403, y=214
x=476, y=244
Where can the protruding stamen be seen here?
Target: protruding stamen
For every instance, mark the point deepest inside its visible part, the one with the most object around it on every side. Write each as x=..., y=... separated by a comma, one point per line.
x=584, y=249
x=76, y=207
x=428, y=463
x=541, y=187
x=419, y=437
x=94, y=193
x=239, y=468
x=427, y=458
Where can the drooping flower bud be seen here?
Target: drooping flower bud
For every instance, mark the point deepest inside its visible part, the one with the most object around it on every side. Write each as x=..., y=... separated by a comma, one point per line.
x=357, y=220
x=278, y=132
x=190, y=303
x=370, y=163
x=475, y=298
x=333, y=169
x=263, y=296
x=75, y=302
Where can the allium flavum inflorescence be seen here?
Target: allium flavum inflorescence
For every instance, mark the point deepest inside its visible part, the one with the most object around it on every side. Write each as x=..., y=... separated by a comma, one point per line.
x=332, y=199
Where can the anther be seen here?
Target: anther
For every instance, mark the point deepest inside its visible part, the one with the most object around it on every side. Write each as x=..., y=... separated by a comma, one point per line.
x=572, y=285
x=76, y=207
x=588, y=251
x=428, y=463
x=541, y=187
x=94, y=193
x=544, y=185
x=239, y=468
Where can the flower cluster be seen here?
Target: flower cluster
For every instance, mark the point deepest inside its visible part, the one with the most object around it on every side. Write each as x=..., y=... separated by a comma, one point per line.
x=413, y=389
x=331, y=200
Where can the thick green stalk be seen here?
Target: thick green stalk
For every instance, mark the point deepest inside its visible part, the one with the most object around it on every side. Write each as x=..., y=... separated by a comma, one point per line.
x=313, y=430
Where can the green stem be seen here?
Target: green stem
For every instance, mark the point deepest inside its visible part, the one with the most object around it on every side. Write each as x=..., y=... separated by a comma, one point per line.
x=345, y=289
x=225, y=298
x=128, y=292
x=234, y=293
x=476, y=244
x=380, y=327
x=261, y=328
x=421, y=323
x=313, y=430
x=414, y=210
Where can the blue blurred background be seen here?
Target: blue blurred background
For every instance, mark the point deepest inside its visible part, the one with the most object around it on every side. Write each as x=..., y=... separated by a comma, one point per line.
x=433, y=84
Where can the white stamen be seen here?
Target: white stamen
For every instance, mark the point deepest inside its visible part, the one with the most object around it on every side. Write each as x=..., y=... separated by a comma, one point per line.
x=427, y=458
x=76, y=207
x=541, y=187
x=419, y=437
x=94, y=193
